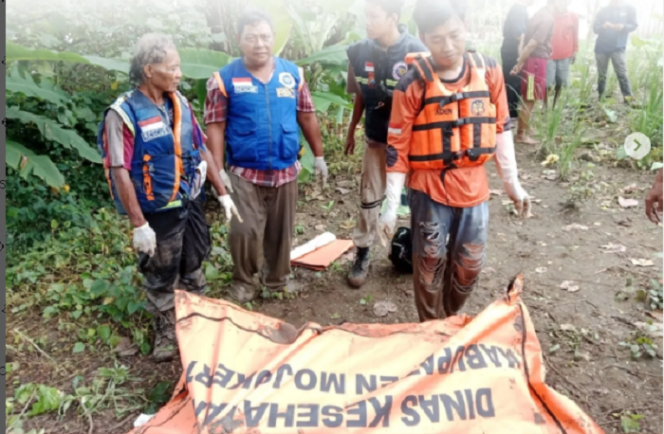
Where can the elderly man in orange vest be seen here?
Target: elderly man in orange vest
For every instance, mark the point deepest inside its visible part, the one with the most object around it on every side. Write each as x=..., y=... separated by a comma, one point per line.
x=449, y=117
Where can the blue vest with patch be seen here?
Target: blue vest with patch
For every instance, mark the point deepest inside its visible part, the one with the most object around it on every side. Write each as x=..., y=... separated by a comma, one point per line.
x=261, y=125
x=161, y=167
x=378, y=71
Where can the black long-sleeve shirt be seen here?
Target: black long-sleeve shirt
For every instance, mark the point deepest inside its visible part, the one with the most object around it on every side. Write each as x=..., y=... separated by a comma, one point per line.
x=514, y=27
x=609, y=40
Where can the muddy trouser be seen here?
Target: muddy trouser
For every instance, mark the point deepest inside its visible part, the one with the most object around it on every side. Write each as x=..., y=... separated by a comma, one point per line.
x=445, y=272
x=372, y=192
x=619, y=66
x=512, y=83
x=268, y=215
x=183, y=243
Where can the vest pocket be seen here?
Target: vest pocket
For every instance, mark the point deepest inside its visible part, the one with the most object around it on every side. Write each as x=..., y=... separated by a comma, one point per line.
x=154, y=181
x=243, y=142
x=290, y=143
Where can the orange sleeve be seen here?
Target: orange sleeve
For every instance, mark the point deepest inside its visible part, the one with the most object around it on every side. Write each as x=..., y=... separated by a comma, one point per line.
x=406, y=102
x=496, y=82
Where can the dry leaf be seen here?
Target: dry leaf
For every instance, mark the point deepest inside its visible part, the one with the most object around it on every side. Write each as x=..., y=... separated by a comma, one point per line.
x=575, y=226
x=614, y=248
x=382, y=308
x=569, y=286
x=320, y=227
x=345, y=184
x=489, y=270
x=496, y=192
x=524, y=176
x=550, y=175
x=628, y=203
x=567, y=328
x=642, y=262
x=343, y=191
x=540, y=270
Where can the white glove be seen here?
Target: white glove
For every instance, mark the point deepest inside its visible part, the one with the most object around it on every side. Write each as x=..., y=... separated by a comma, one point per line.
x=507, y=170
x=145, y=240
x=320, y=169
x=229, y=208
x=388, y=220
x=199, y=180
x=227, y=180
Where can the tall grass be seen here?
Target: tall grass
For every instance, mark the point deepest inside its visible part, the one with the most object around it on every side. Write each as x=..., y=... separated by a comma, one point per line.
x=647, y=115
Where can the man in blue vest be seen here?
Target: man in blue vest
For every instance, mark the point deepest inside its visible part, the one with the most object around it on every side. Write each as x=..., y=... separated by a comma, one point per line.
x=254, y=109
x=156, y=164
x=375, y=66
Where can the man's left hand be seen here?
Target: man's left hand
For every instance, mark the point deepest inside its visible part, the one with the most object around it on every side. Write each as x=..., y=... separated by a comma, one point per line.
x=655, y=201
x=320, y=170
x=520, y=198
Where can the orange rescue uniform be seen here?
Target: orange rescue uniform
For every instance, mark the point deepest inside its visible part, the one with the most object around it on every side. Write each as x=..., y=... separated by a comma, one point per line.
x=426, y=134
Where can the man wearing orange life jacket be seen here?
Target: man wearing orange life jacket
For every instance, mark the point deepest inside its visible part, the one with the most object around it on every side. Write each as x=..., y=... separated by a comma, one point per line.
x=449, y=117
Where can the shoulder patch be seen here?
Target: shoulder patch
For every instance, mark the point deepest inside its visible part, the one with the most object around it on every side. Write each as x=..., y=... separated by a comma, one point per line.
x=411, y=75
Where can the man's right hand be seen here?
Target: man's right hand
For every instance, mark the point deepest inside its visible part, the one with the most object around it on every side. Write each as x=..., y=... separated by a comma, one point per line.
x=145, y=240
x=386, y=225
x=350, y=144
x=517, y=69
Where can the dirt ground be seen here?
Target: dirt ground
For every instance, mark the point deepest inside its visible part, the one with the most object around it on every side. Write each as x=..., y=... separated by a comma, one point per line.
x=584, y=358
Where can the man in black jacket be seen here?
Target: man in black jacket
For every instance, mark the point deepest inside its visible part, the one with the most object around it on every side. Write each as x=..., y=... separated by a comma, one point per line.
x=513, y=30
x=375, y=66
x=613, y=25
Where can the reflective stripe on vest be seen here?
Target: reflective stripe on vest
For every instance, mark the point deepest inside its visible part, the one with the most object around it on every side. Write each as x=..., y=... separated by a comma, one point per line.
x=453, y=129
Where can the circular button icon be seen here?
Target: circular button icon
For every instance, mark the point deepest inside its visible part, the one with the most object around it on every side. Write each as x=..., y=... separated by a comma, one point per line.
x=637, y=145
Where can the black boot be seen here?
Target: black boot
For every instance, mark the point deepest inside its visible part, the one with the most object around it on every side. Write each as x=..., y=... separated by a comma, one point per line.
x=358, y=275
x=165, y=344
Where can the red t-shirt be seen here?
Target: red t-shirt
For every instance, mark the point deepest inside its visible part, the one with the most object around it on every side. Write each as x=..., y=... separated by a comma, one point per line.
x=565, y=40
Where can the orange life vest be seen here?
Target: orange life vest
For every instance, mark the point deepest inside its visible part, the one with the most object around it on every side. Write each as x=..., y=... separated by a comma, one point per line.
x=452, y=129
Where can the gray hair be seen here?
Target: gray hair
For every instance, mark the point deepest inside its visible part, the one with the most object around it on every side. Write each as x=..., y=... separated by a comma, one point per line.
x=150, y=49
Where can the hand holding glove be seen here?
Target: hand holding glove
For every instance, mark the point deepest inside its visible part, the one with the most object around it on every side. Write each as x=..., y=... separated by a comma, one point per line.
x=145, y=240
x=388, y=220
x=226, y=180
x=320, y=170
x=229, y=208
x=507, y=170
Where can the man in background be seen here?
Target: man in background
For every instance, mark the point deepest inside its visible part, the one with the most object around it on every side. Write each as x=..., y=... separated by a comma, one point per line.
x=375, y=65
x=535, y=50
x=612, y=25
x=513, y=30
x=565, y=45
